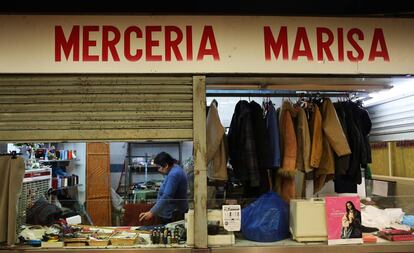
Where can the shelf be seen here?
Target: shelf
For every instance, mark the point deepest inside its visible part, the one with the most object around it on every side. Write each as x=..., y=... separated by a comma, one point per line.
x=141, y=168
x=53, y=161
x=64, y=188
x=145, y=152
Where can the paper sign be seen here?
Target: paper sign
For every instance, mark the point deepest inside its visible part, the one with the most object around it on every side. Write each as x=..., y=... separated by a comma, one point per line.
x=74, y=220
x=309, y=189
x=343, y=220
x=380, y=188
x=232, y=217
x=361, y=189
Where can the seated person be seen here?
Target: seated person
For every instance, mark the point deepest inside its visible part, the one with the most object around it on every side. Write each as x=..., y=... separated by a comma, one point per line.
x=172, y=200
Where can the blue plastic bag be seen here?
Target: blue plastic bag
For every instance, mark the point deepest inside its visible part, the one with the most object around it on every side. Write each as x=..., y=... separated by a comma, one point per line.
x=408, y=220
x=266, y=219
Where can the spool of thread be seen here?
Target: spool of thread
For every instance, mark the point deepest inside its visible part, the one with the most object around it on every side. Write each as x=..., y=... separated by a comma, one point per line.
x=54, y=183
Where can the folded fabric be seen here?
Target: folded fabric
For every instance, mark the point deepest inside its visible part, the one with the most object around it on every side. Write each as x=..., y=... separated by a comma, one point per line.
x=408, y=220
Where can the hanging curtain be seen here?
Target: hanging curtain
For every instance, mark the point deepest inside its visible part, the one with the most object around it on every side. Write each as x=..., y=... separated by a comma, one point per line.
x=11, y=181
x=216, y=146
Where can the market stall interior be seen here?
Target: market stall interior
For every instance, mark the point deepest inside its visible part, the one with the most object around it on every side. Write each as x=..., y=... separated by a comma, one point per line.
x=273, y=143
x=61, y=179
x=328, y=143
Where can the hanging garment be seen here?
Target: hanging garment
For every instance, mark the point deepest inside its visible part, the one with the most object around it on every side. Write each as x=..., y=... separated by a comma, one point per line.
x=241, y=144
x=342, y=162
x=333, y=130
x=357, y=138
x=261, y=144
x=326, y=169
x=11, y=182
x=333, y=140
x=272, y=132
x=316, y=130
x=288, y=140
x=348, y=183
x=260, y=137
x=304, y=141
x=216, y=146
x=287, y=171
x=303, y=151
x=365, y=125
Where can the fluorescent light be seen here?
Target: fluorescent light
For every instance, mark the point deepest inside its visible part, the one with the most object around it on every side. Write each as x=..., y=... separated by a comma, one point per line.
x=399, y=89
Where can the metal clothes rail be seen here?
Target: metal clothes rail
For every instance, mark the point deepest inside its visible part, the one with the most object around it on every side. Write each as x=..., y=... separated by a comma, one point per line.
x=272, y=93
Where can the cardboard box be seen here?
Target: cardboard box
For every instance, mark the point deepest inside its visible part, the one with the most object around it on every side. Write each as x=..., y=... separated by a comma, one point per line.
x=307, y=220
x=212, y=215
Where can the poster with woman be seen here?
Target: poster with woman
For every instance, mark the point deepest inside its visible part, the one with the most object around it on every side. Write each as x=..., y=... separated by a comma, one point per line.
x=343, y=220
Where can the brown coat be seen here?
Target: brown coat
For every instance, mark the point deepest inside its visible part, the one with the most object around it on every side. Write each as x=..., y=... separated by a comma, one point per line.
x=288, y=140
x=216, y=146
x=333, y=130
x=304, y=150
x=286, y=174
x=304, y=141
x=316, y=130
x=334, y=139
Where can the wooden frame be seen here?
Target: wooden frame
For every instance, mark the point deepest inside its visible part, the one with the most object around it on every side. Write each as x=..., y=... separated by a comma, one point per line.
x=200, y=162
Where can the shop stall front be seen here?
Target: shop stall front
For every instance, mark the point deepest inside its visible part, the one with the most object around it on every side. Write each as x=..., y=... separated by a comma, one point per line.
x=149, y=79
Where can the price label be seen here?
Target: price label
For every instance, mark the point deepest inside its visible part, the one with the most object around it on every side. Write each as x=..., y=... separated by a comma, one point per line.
x=232, y=217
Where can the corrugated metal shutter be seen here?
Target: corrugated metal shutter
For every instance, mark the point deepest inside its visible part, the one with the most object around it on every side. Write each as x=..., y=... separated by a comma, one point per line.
x=95, y=108
x=393, y=120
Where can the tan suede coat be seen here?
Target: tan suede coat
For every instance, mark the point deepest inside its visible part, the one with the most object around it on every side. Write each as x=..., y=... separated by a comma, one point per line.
x=286, y=174
x=334, y=140
x=216, y=146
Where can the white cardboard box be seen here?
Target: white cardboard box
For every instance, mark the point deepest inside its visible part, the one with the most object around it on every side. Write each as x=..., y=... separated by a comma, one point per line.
x=307, y=220
x=213, y=240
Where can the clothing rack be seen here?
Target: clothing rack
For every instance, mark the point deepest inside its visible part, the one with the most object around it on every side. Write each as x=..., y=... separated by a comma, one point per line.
x=267, y=93
x=14, y=154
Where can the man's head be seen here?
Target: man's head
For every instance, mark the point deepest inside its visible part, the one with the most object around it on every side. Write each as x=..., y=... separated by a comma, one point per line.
x=164, y=161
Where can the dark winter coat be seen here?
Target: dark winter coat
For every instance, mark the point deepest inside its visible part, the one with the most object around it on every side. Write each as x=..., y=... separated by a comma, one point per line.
x=242, y=146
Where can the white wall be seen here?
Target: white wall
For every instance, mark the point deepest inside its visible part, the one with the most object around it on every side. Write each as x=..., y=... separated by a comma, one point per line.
x=226, y=106
x=118, y=152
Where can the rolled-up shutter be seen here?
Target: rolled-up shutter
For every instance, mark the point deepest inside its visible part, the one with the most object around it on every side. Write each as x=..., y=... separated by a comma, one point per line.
x=393, y=120
x=95, y=108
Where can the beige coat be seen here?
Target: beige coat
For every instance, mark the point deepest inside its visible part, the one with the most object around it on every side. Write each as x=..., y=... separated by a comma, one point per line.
x=216, y=146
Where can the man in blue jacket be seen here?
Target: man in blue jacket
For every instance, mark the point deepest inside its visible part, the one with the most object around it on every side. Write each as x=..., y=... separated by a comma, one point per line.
x=172, y=200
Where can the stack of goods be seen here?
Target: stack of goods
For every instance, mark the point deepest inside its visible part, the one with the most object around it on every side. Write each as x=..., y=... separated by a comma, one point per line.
x=124, y=238
x=99, y=239
x=64, y=181
x=53, y=154
x=396, y=235
x=162, y=235
x=63, y=235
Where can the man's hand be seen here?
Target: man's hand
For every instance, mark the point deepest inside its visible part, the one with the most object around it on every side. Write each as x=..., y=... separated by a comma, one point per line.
x=146, y=216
